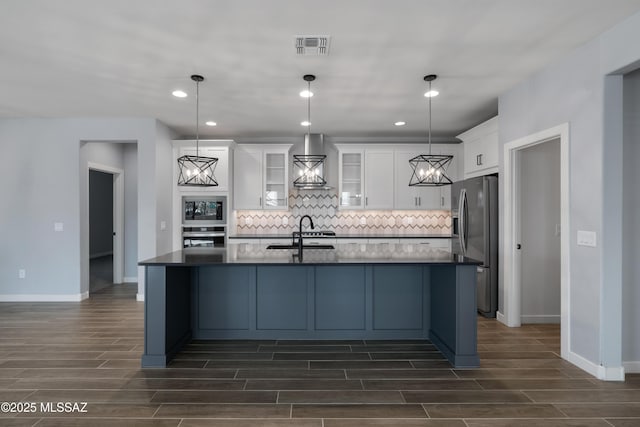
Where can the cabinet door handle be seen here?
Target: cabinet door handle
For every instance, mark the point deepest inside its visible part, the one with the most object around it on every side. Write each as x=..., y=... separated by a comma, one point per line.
x=415, y=201
x=479, y=160
x=366, y=201
x=419, y=201
x=442, y=201
x=260, y=202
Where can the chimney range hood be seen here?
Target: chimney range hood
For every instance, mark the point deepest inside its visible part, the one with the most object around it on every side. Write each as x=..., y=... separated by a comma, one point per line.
x=309, y=167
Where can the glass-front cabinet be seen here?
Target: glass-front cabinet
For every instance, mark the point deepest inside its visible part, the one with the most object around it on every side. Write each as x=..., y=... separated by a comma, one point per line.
x=275, y=180
x=351, y=179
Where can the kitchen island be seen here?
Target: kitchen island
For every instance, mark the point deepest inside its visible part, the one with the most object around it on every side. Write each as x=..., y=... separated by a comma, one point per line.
x=353, y=292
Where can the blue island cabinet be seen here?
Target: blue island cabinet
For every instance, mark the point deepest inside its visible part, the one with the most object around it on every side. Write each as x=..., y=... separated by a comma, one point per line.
x=334, y=301
x=312, y=302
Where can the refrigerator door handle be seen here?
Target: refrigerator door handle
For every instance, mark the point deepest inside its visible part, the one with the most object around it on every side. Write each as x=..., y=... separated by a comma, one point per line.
x=462, y=209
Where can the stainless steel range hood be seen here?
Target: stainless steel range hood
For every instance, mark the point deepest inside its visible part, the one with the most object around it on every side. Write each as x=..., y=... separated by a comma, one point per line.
x=309, y=167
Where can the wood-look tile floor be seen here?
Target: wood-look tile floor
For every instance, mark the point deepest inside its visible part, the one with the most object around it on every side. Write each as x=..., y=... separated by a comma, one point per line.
x=90, y=352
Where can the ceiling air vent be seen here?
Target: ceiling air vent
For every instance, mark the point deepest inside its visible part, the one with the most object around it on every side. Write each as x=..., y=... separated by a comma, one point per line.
x=312, y=45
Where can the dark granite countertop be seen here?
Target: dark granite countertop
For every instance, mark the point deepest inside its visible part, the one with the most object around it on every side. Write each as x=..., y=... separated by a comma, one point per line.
x=344, y=236
x=240, y=254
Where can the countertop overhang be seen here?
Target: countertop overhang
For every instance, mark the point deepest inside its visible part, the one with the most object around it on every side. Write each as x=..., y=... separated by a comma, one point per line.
x=241, y=236
x=237, y=253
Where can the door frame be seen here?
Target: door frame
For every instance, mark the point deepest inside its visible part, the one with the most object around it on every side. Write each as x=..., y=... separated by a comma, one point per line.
x=118, y=217
x=512, y=218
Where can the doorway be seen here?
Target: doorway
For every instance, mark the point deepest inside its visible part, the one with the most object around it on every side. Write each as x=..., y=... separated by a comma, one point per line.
x=512, y=253
x=106, y=226
x=101, y=230
x=539, y=233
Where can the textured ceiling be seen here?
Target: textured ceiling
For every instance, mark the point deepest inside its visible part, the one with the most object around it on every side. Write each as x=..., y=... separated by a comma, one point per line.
x=117, y=58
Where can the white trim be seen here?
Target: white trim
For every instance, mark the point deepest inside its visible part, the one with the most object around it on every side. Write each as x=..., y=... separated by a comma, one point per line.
x=44, y=297
x=540, y=318
x=600, y=372
x=510, y=261
x=139, y=297
x=118, y=217
x=500, y=318
x=632, y=367
x=130, y=279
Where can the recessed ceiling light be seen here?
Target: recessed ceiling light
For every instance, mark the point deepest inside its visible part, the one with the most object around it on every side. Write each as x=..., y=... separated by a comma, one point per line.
x=179, y=94
x=306, y=94
x=305, y=123
x=399, y=123
x=431, y=93
x=210, y=123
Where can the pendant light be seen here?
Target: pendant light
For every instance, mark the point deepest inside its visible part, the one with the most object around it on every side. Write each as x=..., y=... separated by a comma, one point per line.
x=197, y=171
x=430, y=170
x=309, y=168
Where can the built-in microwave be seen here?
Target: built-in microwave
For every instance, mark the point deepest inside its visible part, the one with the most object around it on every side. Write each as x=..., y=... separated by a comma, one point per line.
x=204, y=210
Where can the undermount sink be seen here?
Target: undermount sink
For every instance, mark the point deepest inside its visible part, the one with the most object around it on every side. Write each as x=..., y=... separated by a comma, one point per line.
x=303, y=247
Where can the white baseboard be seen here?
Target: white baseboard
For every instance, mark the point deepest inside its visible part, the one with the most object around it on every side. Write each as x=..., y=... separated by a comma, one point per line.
x=600, y=372
x=540, y=318
x=632, y=367
x=139, y=297
x=44, y=298
x=500, y=318
x=130, y=279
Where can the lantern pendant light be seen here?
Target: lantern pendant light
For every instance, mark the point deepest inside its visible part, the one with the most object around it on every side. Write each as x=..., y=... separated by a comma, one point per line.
x=197, y=171
x=430, y=170
x=308, y=167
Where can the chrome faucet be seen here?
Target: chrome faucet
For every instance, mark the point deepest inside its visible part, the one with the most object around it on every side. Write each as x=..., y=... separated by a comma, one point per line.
x=300, y=244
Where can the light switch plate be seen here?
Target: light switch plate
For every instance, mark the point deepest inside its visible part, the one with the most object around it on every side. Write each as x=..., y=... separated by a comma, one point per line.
x=587, y=238
x=58, y=226
x=163, y=225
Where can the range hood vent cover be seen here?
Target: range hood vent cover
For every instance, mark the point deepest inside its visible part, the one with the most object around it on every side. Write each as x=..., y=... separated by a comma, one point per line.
x=312, y=45
x=309, y=167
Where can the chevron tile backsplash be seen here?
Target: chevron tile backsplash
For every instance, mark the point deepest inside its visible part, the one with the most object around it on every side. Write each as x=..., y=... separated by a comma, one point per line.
x=322, y=206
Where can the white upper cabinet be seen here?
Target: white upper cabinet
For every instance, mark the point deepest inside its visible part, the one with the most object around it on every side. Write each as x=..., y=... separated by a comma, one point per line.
x=365, y=178
x=481, y=149
x=260, y=177
x=247, y=179
x=378, y=179
x=206, y=148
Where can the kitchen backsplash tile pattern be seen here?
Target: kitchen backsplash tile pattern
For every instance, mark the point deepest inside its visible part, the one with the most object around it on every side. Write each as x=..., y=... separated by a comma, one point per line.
x=322, y=206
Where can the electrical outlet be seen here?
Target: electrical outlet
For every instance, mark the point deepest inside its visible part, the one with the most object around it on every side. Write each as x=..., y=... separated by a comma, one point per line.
x=163, y=225
x=58, y=226
x=22, y=273
x=587, y=238
x=285, y=221
x=363, y=221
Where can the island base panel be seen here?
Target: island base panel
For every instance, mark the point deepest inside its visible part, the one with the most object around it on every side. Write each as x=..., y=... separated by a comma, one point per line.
x=417, y=301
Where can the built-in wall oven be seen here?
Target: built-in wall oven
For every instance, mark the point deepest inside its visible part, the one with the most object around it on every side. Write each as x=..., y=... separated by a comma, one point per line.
x=204, y=222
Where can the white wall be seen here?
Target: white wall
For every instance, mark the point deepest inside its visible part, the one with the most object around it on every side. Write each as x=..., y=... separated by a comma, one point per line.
x=631, y=224
x=540, y=213
x=131, y=212
x=48, y=169
x=164, y=187
x=575, y=90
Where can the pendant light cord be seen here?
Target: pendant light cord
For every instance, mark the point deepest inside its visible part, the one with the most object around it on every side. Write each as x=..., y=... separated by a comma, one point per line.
x=197, y=119
x=430, y=117
x=309, y=109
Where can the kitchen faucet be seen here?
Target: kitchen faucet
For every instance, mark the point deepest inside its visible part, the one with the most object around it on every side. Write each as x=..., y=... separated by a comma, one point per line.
x=300, y=245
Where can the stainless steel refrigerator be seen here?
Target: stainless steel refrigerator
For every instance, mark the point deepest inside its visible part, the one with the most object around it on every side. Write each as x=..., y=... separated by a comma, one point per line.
x=474, y=212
